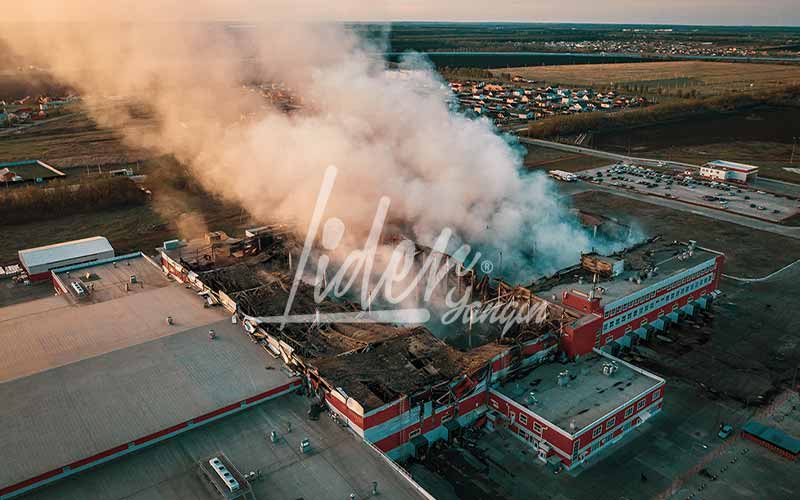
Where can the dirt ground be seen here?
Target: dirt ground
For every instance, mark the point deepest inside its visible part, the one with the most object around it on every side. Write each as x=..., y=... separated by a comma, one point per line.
x=761, y=137
x=749, y=347
x=708, y=78
x=554, y=159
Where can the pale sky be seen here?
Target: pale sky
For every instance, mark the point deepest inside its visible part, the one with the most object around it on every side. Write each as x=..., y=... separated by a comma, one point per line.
x=731, y=12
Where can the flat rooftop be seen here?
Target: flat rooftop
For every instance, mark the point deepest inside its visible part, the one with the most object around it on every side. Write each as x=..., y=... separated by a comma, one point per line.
x=588, y=396
x=112, y=280
x=91, y=377
x=668, y=259
x=338, y=464
x=66, y=333
x=32, y=169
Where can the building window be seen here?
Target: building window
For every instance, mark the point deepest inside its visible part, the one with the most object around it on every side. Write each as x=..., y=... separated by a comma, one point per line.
x=656, y=394
x=523, y=418
x=494, y=403
x=413, y=434
x=641, y=404
x=609, y=339
x=445, y=418
x=537, y=427
x=611, y=422
x=629, y=411
x=597, y=430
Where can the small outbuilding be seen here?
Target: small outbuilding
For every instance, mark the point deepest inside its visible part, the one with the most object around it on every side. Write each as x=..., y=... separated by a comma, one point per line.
x=729, y=171
x=39, y=261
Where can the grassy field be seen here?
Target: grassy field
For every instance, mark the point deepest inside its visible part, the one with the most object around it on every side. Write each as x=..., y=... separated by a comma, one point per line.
x=129, y=229
x=707, y=78
x=67, y=141
x=749, y=252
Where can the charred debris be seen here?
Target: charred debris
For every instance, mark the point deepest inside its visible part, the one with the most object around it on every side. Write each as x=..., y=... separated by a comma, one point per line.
x=374, y=363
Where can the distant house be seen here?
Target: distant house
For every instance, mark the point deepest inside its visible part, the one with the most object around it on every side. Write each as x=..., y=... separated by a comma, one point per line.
x=6, y=175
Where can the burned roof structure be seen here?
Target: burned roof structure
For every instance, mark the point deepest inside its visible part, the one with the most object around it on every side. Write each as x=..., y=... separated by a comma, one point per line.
x=411, y=361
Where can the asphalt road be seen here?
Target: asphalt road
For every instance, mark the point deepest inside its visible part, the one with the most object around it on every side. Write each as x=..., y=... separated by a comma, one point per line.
x=650, y=162
x=570, y=189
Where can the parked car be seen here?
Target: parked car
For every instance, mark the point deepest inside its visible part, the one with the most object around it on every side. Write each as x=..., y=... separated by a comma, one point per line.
x=725, y=431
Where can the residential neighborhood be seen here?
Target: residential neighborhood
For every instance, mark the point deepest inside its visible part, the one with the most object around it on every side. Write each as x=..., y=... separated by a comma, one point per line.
x=30, y=109
x=523, y=101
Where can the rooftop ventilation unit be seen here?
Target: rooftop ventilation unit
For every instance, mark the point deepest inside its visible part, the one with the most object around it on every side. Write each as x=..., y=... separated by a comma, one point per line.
x=78, y=288
x=610, y=368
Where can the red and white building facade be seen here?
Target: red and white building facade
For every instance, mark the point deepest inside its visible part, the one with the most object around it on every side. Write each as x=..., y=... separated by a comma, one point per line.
x=652, y=306
x=396, y=428
x=573, y=447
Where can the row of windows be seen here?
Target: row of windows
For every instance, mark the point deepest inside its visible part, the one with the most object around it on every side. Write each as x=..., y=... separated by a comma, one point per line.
x=655, y=304
x=611, y=422
x=523, y=419
x=417, y=432
x=648, y=296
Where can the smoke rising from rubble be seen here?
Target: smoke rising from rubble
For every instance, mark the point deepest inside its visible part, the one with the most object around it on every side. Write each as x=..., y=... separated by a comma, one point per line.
x=388, y=133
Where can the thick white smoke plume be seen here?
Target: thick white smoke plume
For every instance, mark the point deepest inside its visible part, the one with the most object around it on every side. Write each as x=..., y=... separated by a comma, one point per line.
x=387, y=135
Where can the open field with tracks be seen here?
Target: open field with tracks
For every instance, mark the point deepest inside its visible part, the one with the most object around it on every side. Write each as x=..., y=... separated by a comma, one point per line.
x=707, y=78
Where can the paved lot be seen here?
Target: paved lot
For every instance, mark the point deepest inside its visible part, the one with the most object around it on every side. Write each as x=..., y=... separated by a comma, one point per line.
x=746, y=470
x=572, y=188
x=661, y=449
x=338, y=465
x=758, y=203
x=14, y=293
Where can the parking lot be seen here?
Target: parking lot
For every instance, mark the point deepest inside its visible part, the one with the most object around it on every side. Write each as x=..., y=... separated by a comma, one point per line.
x=687, y=187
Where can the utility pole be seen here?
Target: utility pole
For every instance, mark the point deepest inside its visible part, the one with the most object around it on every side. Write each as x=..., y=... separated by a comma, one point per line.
x=794, y=145
x=469, y=329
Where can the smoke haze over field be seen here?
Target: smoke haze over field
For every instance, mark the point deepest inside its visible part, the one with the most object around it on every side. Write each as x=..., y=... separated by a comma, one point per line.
x=386, y=135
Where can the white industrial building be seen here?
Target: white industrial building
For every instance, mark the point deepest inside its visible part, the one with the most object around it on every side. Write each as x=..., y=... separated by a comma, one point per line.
x=729, y=171
x=39, y=261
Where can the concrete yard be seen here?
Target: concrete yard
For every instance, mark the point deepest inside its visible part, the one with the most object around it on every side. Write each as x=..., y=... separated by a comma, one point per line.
x=644, y=464
x=746, y=469
x=339, y=463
